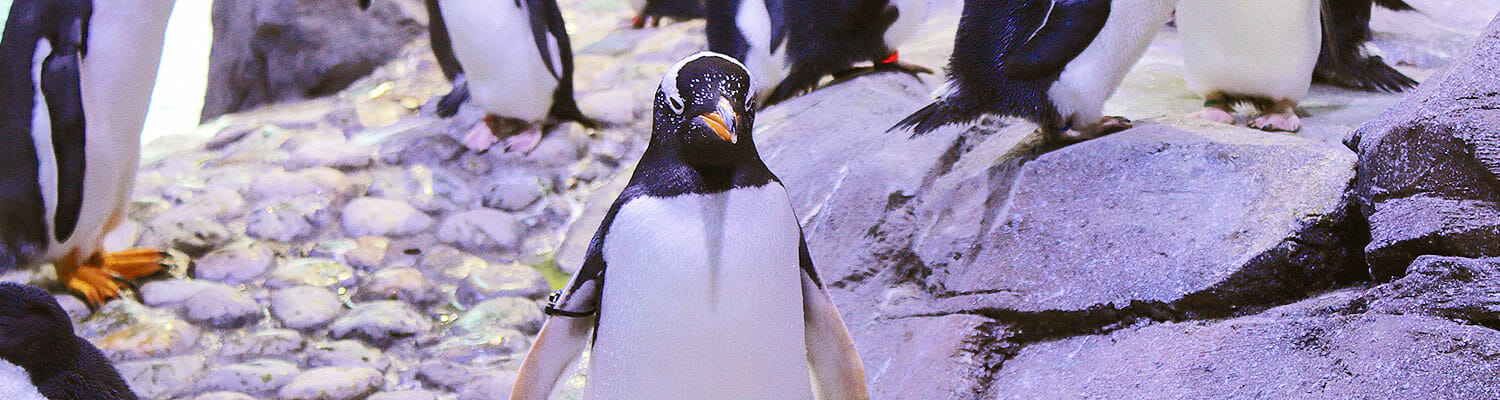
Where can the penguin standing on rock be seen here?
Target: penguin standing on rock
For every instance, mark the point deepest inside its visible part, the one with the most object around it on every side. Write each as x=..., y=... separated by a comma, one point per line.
x=75, y=81
x=829, y=37
x=41, y=358
x=1258, y=52
x=1344, y=59
x=1053, y=62
x=516, y=63
x=753, y=32
x=698, y=284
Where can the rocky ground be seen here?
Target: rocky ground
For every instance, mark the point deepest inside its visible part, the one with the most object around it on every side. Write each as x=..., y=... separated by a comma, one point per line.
x=348, y=247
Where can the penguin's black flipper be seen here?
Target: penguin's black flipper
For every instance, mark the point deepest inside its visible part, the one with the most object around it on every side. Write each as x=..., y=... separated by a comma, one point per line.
x=926, y=119
x=1068, y=30
x=564, y=107
x=1342, y=61
x=541, y=27
x=442, y=46
x=64, y=96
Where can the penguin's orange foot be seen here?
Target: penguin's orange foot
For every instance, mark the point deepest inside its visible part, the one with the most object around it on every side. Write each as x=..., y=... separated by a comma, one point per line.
x=1279, y=122
x=99, y=279
x=638, y=22
x=480, y=138
x=525, y=141
x=1214, y=114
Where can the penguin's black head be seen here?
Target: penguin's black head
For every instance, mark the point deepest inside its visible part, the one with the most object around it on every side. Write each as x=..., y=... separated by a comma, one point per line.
x=705, y=109
x=34, y=329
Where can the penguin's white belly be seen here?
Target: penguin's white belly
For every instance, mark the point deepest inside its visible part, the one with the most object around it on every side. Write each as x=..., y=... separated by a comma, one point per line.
x=702, y=300
x=493, y=42
x=767, y=67
x=1263, y=48
x=125, y=44
x=1089, y=79
x=15, y=383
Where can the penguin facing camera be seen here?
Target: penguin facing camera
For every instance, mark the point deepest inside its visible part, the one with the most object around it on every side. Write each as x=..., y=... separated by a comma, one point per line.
x=830, y=37
x=1059, y=60
x=512, y=59
x=1345, y=58
x=652, y=11
x=41, y=358
x=753, y=32
x=1262, y=53
x=75, y=81
x=698, y=283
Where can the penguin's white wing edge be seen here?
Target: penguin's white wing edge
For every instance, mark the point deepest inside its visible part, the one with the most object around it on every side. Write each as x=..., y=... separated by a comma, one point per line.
x=558, y=344
x=837, y=372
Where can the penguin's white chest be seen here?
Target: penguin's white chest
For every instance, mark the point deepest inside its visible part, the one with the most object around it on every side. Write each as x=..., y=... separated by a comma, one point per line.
x=493, y=41
x=15, y=383
x=702, y=299
x=1263, y=48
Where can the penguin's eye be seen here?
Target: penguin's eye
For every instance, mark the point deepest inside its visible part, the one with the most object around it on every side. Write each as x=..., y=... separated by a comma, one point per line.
x=676, y=104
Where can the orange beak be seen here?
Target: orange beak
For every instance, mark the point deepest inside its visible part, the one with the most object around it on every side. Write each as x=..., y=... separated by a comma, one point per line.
x=716, y=121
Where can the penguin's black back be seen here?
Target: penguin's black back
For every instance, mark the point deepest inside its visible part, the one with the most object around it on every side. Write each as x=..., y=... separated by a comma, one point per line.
x=37, y=335
x=1342, y=62
x=988, y=32
x=23, y=228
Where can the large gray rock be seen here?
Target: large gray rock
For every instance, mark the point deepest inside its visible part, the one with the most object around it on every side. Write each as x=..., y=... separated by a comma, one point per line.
x=1428, y=166
x=1349, y=357
x=270, y=51
x=1463, y=289
x=1209, y=220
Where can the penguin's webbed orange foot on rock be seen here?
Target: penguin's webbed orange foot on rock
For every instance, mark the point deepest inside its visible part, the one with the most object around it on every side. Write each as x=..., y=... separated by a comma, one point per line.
x=100, y=278
x=525, y=141
x=1104, y=126
x=1280, y=122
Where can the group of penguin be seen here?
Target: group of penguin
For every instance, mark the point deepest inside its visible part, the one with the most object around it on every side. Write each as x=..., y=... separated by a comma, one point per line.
x=712, y=292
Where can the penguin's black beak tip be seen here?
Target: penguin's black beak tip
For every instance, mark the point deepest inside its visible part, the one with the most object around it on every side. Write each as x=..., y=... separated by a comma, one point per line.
x=724, y=128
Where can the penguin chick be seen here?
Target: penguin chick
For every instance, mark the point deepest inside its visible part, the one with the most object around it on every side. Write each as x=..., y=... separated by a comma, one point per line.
x=1058, y=61
x=75, y=82
x=1262, y=53
x=698, y=283
x=43, y=359
x=1344, y=59
x=829, y=37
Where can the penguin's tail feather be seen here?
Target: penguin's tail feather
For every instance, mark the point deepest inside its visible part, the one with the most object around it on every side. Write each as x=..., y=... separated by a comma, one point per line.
x=448, y=105
x=926, y=119
x=1395, y=5
x=1370, y=73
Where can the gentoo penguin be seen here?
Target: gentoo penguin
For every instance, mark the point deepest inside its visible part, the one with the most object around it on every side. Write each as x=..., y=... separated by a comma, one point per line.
x=1344, y=59
x=654, y=10
x=828, y=37
x=698, y=284
x=41, y=358
x=1259, y=52
x=753, y=32
x=516, y=64
x=442, y=50
x=1053, y=62
x=76, y=80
